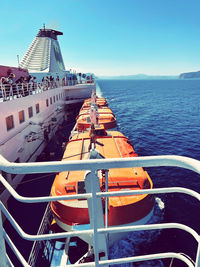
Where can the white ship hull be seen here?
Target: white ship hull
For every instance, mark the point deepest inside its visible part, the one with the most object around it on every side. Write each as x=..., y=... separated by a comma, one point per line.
x=79, y=91
x=18, y=144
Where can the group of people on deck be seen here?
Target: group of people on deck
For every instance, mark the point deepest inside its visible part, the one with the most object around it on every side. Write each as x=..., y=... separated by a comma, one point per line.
x=23, y=86
x=13, y=86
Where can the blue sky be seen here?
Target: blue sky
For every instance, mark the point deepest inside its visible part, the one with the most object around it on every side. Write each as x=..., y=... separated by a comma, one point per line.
x=107, y=37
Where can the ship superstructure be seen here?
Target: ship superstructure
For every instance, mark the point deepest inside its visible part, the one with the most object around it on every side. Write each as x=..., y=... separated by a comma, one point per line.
x=31, y=108
x=44, y=55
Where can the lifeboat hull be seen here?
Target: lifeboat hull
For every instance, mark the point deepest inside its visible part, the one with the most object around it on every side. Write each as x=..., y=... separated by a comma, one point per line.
x=84, y=126
x=116, y=215
x=112, y=237
x=121, y=209
x=100, y=102
x=105, y=118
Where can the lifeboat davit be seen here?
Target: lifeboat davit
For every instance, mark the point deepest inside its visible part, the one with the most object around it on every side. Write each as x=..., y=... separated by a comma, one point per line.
x=104, y=116
x=122, y=210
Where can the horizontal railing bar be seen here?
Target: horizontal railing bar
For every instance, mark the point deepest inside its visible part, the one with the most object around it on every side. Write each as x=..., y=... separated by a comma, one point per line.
x=132, y=259
x=157, y=256
x=99, y=164
x=116, y=229
x=164, y=190
x=40, y=199
x=100, y=230
x=15, y=250
x=147, y=257
x=40, y=237
x=99, y=194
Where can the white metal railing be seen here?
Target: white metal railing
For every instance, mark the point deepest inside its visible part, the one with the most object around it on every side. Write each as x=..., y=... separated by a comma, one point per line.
x=16, y=90
x=93, y=166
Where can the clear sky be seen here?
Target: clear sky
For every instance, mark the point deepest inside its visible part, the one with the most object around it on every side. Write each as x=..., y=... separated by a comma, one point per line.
x=108, y=37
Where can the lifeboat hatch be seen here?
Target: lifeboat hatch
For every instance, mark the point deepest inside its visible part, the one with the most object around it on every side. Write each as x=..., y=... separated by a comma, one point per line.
x=81, y=189
x=123, y=184
x=70, y=189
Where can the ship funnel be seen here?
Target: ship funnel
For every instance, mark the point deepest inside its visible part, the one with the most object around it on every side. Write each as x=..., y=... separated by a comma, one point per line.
x=44, y=54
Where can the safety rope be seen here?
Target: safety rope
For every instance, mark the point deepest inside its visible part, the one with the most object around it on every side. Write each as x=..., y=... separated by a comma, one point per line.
x=79, y=154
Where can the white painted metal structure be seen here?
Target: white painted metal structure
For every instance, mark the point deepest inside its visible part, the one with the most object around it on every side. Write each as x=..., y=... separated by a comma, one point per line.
x=37, y=57
x=93, y=166
x=15, y=144
x=25, y=140
x=44, y=57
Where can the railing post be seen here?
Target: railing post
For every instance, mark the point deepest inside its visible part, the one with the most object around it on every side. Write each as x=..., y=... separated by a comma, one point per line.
x=3, y=92
x=11, y=90
x=17, y=90
x=107, y=199
x=23, y=89
x=93, y=213
x=96, y=214
x=197, y=263
x=3, y=257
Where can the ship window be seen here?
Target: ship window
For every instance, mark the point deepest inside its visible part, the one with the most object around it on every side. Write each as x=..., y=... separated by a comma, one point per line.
x=30, y=112
x=57, y=97
x=37, y=107
x=47, y=102
x=21, y=116
x=51, y=100
x=9, y=122
x=54, y=99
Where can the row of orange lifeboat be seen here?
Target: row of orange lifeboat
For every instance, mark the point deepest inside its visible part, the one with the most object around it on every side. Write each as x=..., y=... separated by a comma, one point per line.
x=104, y=115
x=92, y=134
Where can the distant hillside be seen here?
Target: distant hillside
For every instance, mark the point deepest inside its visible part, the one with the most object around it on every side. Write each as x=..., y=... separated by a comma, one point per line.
x=138, y=77
x=190, y=75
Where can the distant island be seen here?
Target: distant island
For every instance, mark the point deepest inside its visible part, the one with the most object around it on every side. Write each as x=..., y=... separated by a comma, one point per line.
x=190, y=75
x=138, y=77
x=186, y=75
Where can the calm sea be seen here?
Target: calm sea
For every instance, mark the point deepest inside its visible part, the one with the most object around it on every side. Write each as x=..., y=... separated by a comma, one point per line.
x=162, y=117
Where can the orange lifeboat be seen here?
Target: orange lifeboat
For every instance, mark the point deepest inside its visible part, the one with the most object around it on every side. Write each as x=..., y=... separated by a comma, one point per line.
x=99, y=101
x=105, y=117
x=121, y=209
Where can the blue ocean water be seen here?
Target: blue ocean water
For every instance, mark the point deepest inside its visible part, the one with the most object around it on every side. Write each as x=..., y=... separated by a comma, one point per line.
x=162, y=117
